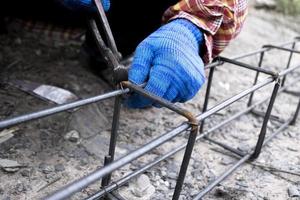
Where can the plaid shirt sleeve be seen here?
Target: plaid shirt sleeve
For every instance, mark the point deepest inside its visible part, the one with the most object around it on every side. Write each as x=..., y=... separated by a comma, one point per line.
x=221, y=21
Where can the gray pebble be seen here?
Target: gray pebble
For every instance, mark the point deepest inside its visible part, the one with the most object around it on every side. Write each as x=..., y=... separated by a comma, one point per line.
x=19, y=188
x=172, y=184
x=25, y=173
x=243, y=148
x=188, y=180
x=293, y=191
x=59, y=168
x=198, y=165
x=226, y=161
x=50, y=176
x=242, y=184
x=84, y=162
x=11, y=170
x=172, y=175
x=182, y=197
x=18, y=41
x=72, y=136
x=46, y=169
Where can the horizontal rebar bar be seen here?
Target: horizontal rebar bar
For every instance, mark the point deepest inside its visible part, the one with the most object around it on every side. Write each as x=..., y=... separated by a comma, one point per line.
x=57, y=109
x=235, y=98
x=281, y=48
x=247, y=66
x=287, y=71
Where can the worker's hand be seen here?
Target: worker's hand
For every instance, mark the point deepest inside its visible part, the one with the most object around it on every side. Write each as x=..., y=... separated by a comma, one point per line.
x=168, y=60
x=88, y=5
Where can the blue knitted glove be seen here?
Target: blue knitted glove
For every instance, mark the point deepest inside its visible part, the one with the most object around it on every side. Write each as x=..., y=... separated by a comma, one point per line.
x=88, y=5
x=168, y=60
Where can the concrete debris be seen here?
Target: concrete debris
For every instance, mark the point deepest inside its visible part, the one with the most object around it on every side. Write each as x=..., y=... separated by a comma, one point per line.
x=6, y=134
x=9, y=165
x=142, y=186
x=45, y=92
x=140, y=189
x=293, y=191
x=72, y=136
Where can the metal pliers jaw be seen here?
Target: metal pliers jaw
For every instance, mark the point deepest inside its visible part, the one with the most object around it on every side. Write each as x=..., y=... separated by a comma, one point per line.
x=108, y=48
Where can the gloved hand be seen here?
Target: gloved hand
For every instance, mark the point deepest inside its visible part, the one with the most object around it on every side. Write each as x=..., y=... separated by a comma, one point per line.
x=168, y=60
x=84, y=4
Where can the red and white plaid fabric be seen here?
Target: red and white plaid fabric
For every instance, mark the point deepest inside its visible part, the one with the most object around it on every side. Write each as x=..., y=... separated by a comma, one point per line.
x=221, y=21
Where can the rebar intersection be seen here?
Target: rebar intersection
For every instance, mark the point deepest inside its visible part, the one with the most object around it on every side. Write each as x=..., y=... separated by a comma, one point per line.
x=193, y=125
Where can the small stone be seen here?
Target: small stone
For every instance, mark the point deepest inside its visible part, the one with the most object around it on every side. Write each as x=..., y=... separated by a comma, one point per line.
x=172, y=184
x=18, y=41
x=46, y=169
x=293, y=191
x=20, y=188
x=226, y=161
x=59, y=168
x=292, y=149
x=72, y=136
x=5, y=163
x=242, y=184
x=182, y=197
x=199, y=165
x=243, y=148
x=11, y=170
x=6, y=135
x=25, y=173
x=50, y=176
x=84, y=162
x=142, y=186
x=172, y=175
x=163, y=173
x=38, y=52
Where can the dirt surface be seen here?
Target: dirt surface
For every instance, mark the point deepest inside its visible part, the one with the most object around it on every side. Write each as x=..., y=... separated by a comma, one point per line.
x=49, y=160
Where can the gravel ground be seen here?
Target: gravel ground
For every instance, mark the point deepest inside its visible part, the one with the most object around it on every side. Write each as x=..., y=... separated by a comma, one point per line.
x=47, y=159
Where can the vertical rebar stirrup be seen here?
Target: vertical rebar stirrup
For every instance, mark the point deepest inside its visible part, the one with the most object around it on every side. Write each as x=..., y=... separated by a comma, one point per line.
x=263, y=131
